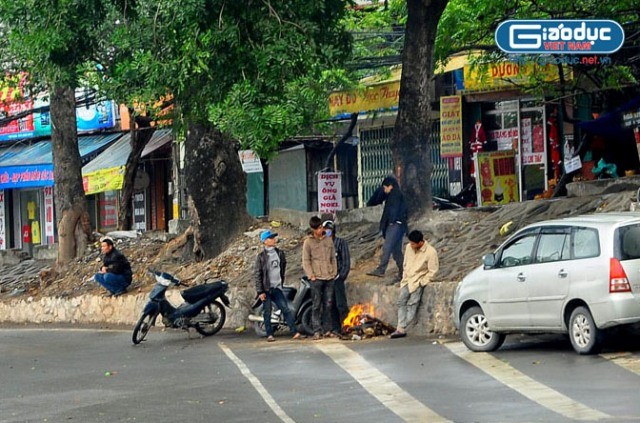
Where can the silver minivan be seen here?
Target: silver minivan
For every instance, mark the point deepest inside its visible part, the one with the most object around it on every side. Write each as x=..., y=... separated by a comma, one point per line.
x=578, y=275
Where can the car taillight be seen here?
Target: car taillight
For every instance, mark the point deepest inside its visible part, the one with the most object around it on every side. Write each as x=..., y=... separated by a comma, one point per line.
x=618, y=281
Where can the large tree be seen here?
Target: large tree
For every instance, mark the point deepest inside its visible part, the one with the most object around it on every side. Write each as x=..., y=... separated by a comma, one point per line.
x=51, y=42
x=238, y=73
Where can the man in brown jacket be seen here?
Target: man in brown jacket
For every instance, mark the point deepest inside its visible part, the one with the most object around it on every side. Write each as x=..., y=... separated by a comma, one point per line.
x=319, y=265
x=420, y=265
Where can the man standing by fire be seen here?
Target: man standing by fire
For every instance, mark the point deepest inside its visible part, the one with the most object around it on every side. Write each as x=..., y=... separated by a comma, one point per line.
x=420, y=265
x=340, y=307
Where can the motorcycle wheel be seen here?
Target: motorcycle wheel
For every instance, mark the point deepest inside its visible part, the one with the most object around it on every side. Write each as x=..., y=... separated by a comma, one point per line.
x=142, y=328
x=305, y=325
x=211, y=319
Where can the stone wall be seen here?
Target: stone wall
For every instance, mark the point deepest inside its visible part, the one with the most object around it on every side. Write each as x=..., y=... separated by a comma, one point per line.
x=434, y=315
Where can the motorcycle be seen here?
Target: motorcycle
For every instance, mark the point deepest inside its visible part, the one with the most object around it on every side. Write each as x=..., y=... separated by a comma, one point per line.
x=299, y=301
x=200, y=310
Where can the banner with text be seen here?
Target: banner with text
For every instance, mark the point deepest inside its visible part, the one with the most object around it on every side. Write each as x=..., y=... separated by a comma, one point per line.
x=48, y=215
x=329, y=192
x=3, y=241
x=103, y=180
x=451, y=126
x=375, y=97
x=496, y=171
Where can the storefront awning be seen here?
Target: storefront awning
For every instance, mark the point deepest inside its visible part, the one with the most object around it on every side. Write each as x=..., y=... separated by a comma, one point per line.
x=612, y=125
x=106, y=172
x=24, y=166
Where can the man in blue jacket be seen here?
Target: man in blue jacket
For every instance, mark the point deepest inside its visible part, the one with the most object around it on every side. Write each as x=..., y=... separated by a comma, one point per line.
x=393, y=226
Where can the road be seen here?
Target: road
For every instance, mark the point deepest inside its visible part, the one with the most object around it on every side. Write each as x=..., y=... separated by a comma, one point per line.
x=97, y=375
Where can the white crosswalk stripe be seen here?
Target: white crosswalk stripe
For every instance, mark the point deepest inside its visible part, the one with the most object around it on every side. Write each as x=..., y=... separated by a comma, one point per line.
x=523, y=384
x=379, y=385
x=625, y=360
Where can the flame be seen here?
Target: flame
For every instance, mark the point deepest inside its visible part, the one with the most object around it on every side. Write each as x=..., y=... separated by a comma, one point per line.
x=355, y=314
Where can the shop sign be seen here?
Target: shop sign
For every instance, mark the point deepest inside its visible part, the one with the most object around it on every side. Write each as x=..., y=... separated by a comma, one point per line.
x=506, y=139
x=3, y=238
x=491, y=76
x=374, y=97
x=102, y=180
x=451, y=126
x=139, y=211
x=26, y=176
x=329, y=192
x=631, y=119
x=108, y=210
x=532, y=143
x=496, y=171
x=250, y=161
x=48, y=215
x=559, y=36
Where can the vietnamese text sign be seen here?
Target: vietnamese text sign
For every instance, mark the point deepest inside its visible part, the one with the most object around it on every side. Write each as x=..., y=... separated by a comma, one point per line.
x=3, y=240
x=48, y=214
x=329, y=192
x=375, y=97
x=26, y=176
x=103, y=180
x=250, y=161
x=506, y=139
x=451, y=126
x=496, y=171
x=139, y=211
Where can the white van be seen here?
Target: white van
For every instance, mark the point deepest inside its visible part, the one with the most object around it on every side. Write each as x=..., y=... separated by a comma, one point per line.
x=578, y=275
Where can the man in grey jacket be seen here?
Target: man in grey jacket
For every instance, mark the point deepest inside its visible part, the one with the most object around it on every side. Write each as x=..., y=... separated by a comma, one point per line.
x=269, y=278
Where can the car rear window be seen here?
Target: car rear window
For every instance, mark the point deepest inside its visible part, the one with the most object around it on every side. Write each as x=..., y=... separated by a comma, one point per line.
x=627, y=242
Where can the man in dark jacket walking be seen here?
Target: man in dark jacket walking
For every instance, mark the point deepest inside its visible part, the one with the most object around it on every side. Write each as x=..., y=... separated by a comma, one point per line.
x=393, y=226
x=269, y=277
x=115, y=273
x=340, y=306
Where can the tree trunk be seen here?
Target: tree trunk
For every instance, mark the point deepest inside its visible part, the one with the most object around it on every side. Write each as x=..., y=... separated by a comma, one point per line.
x=216, y=186
x=74, y=228
x=410, y=143
x=141, y=133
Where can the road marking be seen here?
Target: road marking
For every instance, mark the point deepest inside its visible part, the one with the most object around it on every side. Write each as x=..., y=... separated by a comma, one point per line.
x=379, y=385
x=524, y=385
x=256, y=384
x=625, y=360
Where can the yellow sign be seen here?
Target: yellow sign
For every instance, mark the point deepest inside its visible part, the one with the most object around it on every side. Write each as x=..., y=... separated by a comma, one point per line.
x=103, y=180
x=374, y=97
x=502, y=75
x=496, y=171
x=451, y=126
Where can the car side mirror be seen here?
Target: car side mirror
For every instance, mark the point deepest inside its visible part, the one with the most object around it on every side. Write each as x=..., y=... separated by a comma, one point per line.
x=489, y=261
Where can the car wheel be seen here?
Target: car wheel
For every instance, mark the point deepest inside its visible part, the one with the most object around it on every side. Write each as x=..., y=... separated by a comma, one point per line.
x=585, y=337
x=475, y=332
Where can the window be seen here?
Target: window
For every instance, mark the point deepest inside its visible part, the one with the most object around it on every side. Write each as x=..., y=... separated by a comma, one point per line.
x=518, y=252
x=553, y=247
x=585, y=243
x=628, y=242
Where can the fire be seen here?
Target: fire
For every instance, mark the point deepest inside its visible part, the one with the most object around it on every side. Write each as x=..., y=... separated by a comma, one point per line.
x=356, y=314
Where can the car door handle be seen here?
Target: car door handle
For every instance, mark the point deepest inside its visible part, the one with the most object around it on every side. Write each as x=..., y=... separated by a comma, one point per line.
x=562, y=273
x=521, y=277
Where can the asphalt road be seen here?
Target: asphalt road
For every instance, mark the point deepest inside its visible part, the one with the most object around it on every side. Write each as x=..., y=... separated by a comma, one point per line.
x=97, y=375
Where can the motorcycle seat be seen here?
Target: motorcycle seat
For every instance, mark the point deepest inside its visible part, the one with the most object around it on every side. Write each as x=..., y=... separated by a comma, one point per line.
x=198, y=292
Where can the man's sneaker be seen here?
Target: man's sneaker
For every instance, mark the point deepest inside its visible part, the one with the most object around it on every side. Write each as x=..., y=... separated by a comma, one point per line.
x=317, y=336
x=270, y=338
x=376, y=272
x=299, y=335
x=397, y=334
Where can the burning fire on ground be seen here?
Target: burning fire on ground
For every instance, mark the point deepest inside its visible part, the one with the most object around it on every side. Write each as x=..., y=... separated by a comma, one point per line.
x=361, y=323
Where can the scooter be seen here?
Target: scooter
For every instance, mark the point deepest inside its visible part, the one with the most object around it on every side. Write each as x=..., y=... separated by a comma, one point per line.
x=201, y=309
x=299, y=301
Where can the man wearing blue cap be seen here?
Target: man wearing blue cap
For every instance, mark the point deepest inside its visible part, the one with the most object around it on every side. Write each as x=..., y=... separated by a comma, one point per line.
x=269, y=278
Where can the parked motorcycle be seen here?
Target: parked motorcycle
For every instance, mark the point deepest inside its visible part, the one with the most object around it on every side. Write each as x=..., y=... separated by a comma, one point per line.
x=299, y=301
x=201, y=309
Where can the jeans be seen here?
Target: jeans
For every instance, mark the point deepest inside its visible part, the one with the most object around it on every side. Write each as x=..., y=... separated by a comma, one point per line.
x=321, y=303
x=275, y=295
x=340, y=307
x=115, y=284
x=392, y=246
x=408, y=306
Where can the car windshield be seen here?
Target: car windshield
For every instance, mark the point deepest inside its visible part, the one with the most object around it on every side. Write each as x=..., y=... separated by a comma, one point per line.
x=627, y=240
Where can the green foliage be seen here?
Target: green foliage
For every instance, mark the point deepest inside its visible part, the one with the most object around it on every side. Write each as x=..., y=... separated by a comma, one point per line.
x=255, y=69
